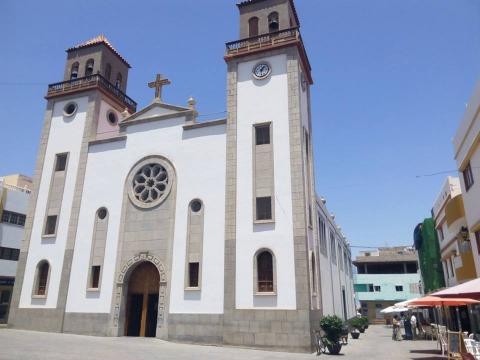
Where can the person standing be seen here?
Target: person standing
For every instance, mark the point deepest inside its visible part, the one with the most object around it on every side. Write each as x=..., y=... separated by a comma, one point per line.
x=413, y=323
x=396, y=335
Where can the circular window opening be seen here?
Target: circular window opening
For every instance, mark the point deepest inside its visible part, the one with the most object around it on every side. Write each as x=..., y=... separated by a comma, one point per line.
x=196, y=205
x=150, y=182
x=102, y=213
x=112, y=118
x=70, y=109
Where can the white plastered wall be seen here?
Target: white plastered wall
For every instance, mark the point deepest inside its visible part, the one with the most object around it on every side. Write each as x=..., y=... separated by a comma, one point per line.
x=65, y=135
x=199, y=160
x=257, y=102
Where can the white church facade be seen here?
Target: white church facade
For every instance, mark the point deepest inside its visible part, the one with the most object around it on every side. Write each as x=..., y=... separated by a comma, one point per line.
x=151, y=223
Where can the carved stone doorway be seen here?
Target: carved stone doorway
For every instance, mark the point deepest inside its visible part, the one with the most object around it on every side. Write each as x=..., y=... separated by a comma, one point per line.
x=142, y=301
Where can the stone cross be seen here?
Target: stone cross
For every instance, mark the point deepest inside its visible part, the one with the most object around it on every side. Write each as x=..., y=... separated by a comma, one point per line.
x=158, y=84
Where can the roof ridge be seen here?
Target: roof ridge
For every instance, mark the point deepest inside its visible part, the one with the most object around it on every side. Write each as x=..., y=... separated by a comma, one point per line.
x=99, y=39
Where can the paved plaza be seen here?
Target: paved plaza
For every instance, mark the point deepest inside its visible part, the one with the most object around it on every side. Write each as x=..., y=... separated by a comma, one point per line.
x=376, y=343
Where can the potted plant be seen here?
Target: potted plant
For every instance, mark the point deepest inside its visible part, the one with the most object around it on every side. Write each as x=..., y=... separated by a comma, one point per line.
x=355, y=333
x=332, y=325
x=356, y=325
x=364, y=322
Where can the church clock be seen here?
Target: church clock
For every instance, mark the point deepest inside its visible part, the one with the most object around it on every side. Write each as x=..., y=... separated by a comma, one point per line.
x=261, y=71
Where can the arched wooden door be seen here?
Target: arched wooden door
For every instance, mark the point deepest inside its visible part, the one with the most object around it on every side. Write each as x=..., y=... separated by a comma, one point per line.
x=142, y=301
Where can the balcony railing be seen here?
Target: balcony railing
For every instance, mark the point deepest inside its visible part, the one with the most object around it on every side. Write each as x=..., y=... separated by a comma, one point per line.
x=263, y=41
x=88, y=82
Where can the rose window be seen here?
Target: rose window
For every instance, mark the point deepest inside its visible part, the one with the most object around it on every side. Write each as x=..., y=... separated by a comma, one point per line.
x=150, y=182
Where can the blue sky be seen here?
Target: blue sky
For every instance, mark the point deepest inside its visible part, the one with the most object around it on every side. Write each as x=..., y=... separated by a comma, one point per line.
x=391, y=82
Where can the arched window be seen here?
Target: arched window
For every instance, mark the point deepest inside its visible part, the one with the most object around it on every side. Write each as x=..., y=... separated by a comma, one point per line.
x=89, y=67
x=273, y=24
x=314, y=280
x=43, y=270
x=118, y=81
x=253, y=26
x=265, y=271
x=74, y=71
x=108, y=71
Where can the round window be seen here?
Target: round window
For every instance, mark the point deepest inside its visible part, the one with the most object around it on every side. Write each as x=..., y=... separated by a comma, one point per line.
x=102, y=213
x=70, y=109
x=150, y=182
x=112, y=117
x=196, y=205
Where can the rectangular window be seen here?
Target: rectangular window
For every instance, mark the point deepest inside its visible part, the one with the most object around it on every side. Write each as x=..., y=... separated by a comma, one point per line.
x=193, y=269
x=9, y=254
x=468, y=177
x=262, y=134
x=440, y=233
x=264, y=208
x=51, y=225
x=477, y=237
x=370, y=288
x=322, y=235
x=333, y=250
x=13, y=218
x=95, y=280
x=5, y=297
x=398, y=288
x=378, y=288
x=61, y=162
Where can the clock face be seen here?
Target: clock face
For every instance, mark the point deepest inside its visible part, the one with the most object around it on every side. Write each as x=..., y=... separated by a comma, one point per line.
x=261, y=71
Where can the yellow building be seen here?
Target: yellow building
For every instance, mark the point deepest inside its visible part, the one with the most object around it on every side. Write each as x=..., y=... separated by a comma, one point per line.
x=453, y=236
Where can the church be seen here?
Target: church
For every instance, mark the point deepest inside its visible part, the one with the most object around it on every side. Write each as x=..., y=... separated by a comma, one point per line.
x=148, y=222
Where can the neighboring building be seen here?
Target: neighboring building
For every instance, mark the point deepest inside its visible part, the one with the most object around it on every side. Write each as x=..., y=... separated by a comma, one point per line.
x=14, y=196
x=452, y=232
x=150, y=223
x=467, y=155
x=426, y=243
x=336, y=273
x=384, y=277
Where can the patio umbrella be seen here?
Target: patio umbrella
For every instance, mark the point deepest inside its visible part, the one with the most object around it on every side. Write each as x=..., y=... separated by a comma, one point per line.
x=438, y=301
x=431, y=301
x=470, y=289
x=394, y=309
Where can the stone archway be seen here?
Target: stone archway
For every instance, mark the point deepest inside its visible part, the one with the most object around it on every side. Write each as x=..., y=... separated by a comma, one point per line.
x=142, y=301
x=121, y=293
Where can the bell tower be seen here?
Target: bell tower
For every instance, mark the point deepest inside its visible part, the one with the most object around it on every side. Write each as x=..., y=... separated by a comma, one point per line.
x=83, y=109
x=270, y=194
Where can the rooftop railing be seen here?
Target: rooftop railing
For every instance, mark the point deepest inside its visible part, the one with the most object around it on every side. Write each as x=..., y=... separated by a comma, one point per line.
x=91, y=81
x=262, y=41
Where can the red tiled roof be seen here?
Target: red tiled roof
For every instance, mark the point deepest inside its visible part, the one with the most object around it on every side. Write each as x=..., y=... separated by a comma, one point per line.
x=248, y=2
x=100, y=39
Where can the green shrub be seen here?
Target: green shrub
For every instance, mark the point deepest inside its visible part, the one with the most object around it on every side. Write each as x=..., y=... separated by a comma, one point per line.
x=332, y=325
x=364, y=320
x=356, y=322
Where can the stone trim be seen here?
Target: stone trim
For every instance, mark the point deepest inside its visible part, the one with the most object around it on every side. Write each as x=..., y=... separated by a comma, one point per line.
x=132, y=120
x=302, y=276
x=194, y=245
x=256, y=291
x=108, y=140
x=36, y=280
x=55, y=195
x=165, y=163
x=199, y=125
x=230, y=195
x=89, y=128
x=16, y=317
x=99, y=237
x=122, y=284
x=263, y=156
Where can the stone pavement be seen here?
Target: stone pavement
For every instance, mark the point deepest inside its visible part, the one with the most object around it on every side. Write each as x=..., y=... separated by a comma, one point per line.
x=376, y=343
